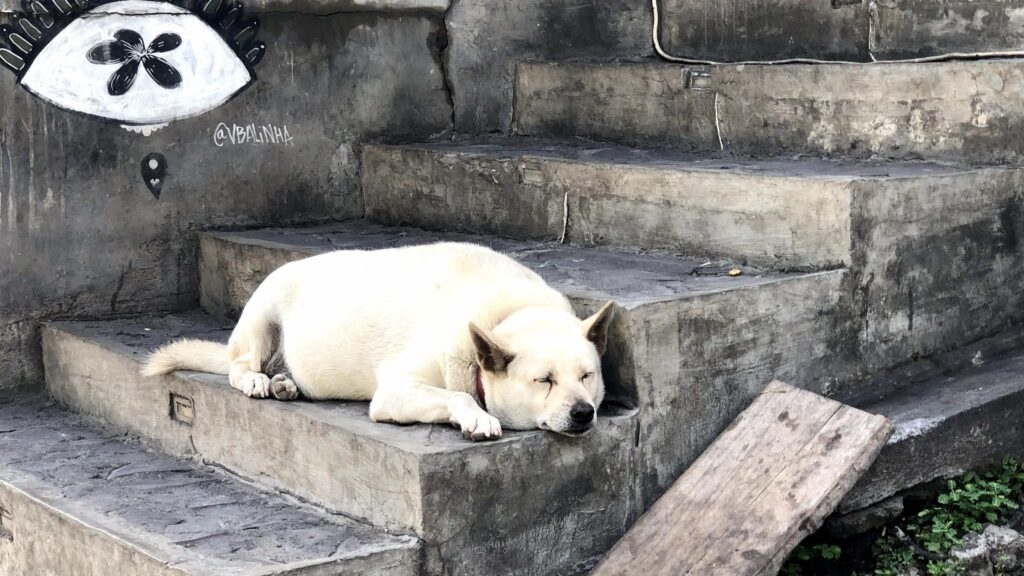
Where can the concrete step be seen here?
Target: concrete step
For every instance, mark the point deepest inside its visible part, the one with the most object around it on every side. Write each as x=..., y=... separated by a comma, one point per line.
x=953, y=413
x=934, y=248
x=77, y=499
x=950, y=110
x=781, y=214
x=738, y=30
x=529, y=503
x=690, y=346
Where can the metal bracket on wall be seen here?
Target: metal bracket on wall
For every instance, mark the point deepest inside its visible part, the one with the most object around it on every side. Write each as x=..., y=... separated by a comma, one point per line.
x=182, y=409
x=531, y=173
x=697, y=79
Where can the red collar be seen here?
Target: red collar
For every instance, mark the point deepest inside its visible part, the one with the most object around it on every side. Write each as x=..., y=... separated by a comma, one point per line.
x=480, y=388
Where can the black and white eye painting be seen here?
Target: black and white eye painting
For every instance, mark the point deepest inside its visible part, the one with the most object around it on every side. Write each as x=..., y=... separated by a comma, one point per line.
x=135, y=62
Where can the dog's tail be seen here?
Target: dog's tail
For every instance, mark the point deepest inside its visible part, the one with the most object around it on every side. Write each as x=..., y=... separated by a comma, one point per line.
x=188, y=354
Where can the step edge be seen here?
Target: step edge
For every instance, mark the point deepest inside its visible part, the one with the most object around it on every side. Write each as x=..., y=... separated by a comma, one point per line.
x=652, y=63
x=162, y=550
x=956, y=169
x=864, y=496
x=514, y=437
x=71, y=328
x=145, y=543
x=629, y=303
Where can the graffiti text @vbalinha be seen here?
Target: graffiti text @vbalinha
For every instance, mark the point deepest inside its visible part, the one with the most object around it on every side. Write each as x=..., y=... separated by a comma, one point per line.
x=251, y=134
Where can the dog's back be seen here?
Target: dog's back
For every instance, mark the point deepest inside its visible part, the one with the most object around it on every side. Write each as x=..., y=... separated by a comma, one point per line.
x=344, y=314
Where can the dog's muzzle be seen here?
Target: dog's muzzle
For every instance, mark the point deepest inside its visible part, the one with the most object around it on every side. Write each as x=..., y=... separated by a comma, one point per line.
x=581, y=418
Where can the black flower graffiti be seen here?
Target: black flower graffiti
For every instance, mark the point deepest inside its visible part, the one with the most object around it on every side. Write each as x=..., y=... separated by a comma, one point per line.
x=129, y=50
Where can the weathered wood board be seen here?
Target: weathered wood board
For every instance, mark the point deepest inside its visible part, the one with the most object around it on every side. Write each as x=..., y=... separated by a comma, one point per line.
x=766, y=483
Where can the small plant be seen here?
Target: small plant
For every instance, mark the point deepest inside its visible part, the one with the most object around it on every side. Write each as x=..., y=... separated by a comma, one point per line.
x=968, y=503
x=925, y=539
x=892, y=556
x=804, y=554
x=945, y=568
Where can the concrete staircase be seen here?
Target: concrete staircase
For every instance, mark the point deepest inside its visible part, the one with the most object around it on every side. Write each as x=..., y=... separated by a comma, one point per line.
x=472, y=514
x=874, y=212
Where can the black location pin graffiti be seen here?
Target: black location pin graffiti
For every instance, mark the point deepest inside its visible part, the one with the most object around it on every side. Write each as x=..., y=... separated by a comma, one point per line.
x=154, y=171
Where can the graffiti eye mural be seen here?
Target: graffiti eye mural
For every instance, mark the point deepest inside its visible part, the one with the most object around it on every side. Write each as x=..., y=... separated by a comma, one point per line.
x=136, y=62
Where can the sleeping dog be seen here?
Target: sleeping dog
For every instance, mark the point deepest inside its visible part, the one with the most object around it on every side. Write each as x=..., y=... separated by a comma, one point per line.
x=446, y=332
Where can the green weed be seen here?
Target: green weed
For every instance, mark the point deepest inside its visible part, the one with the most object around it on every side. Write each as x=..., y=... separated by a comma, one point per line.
x=925, y=538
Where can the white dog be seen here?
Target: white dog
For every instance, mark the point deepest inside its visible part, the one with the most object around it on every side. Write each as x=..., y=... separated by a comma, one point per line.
x=427, y=333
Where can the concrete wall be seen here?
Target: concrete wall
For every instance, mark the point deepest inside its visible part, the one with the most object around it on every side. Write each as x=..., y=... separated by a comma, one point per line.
x=910, y=28
x=730, y=30
x=733, y=30
x=489, y=37
x=935, y=267
x=82, y=236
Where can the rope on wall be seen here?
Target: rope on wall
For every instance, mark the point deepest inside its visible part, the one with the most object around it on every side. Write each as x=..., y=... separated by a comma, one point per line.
x=656, y=37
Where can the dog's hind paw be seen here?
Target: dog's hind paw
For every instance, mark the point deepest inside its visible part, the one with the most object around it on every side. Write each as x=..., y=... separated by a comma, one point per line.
x=255, y=385
x=480, y=426
x=283, y=387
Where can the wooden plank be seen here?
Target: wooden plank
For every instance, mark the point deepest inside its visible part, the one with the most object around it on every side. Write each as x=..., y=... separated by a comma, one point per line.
x=767, y=482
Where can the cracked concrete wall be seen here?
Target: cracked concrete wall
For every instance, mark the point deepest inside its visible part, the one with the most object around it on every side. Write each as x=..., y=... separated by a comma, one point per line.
x=733, y=30
x=82, y=236
x=487, y=38
x=912, y=28
x=934, y=266
x=729, y=30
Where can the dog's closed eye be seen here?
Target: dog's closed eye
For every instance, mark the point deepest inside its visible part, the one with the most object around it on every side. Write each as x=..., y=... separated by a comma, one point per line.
x=547, y=379
x=587, y=376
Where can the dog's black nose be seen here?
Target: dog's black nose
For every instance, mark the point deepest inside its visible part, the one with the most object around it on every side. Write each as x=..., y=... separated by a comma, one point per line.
x=581, y=413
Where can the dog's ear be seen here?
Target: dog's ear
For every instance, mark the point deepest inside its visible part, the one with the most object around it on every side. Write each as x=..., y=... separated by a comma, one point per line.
x=595, y=328
x=491, y=355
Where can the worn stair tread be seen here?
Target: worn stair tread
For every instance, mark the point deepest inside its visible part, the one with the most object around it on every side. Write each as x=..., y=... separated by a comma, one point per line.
x=630, y=277
x=946, y=423
x=136, y=337
x=779, y=213
x=587, y=151
x=199, y=520
x=917, y=408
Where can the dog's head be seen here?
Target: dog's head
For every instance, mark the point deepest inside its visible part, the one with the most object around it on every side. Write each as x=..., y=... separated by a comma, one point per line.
x=541, y=368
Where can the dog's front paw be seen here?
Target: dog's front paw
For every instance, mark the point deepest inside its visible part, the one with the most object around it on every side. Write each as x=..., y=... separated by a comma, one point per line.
x=255, y=385
x=283, y=387
x=480, y=425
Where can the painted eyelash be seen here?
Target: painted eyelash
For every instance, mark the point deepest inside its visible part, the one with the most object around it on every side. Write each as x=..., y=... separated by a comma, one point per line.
x=41, y=20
